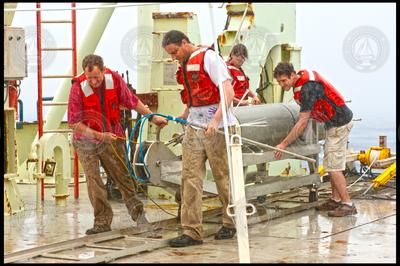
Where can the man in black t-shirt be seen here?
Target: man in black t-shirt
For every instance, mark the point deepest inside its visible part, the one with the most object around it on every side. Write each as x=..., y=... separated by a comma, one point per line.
x=319, y=100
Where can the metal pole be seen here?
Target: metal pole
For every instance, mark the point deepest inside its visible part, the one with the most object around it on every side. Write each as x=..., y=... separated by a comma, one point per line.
x=74, y=73
x=263, y=145
x=277, y=149
x=239, y=203
x=39, y=78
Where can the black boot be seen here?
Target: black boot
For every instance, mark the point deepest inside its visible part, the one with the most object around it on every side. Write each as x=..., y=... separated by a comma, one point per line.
x=184, y=241
x=225, y=233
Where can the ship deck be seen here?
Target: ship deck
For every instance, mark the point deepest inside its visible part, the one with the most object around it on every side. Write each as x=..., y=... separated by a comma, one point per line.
x=303, y=235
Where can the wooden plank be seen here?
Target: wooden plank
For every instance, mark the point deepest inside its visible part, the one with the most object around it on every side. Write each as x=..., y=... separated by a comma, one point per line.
x=104, y=247
x=55, y=247
x=97, y=238
x=127, y=252
x=148, y=246
x=59, y=256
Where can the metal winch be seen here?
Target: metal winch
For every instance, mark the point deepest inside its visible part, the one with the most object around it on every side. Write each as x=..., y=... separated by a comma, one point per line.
x=264, y=124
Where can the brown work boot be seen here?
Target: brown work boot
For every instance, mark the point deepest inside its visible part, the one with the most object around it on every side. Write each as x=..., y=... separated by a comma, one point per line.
x=343, y=210
x=98, y=229
x=135, y=208
x=330, y=205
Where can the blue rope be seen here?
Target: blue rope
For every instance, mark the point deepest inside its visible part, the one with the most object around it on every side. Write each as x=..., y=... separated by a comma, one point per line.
x=131, y=172
x=142, y=121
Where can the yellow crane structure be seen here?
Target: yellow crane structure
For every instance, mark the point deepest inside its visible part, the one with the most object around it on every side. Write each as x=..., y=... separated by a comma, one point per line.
x=384, y=177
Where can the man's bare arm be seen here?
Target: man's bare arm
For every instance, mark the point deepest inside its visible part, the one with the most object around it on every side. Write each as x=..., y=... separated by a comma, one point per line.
x=229, y=94
x=296, y=131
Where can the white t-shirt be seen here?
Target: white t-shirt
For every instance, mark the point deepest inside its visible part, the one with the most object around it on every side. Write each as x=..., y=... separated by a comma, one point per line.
x=204, y=114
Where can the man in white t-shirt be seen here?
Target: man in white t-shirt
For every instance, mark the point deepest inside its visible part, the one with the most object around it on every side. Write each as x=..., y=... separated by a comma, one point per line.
x=200, y=73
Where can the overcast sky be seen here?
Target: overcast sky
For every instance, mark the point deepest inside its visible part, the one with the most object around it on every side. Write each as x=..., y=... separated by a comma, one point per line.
x=327, y=33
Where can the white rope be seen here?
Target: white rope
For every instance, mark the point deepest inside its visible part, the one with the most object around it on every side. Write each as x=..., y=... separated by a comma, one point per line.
x=79, y=8
x=240, y=26
x=376, y=157
x=255, y=124
x=241, y=99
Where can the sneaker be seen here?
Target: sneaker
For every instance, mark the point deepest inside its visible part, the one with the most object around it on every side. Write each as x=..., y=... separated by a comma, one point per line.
x=343, y=210
x=184, y=241
x=225, y=233
x=98, y=229
x=330, y=205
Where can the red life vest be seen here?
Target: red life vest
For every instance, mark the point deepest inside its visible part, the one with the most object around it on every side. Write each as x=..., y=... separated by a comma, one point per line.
x=199, y=90
x=92, y=115
x=240, y=81
x=322, y=110
x=180, y=80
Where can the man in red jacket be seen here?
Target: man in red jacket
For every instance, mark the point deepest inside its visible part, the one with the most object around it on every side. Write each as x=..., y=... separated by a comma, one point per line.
x=318, y=99
x=94, y=105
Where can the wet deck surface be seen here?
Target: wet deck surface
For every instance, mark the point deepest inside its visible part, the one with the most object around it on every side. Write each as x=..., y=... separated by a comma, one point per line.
x=303, y=237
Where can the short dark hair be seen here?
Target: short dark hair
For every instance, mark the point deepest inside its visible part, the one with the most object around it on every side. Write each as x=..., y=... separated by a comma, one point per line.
x=91, y=61
x=239, y=50
x=284, y=68
x=174, y=37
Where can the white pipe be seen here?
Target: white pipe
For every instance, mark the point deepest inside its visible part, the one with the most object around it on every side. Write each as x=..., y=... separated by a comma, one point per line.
x=239, y=201
x=236, y=186
x=88, y=45
x=145, y=22
x=35, y=152
x=143, y=76
x=384, y=162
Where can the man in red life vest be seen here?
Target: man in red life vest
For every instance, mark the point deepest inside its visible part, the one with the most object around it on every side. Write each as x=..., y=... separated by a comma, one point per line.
x=198, y=75
x=240, y=81
x=318, y=99
x=94, y=114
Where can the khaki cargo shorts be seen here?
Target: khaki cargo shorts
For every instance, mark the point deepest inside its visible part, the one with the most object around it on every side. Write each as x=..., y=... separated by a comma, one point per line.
x=335, y=148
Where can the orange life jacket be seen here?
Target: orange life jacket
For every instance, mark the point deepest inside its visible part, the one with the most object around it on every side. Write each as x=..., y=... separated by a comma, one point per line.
x=322, y=110
x=92, y=115
x=240, y=81
x=199, y=90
